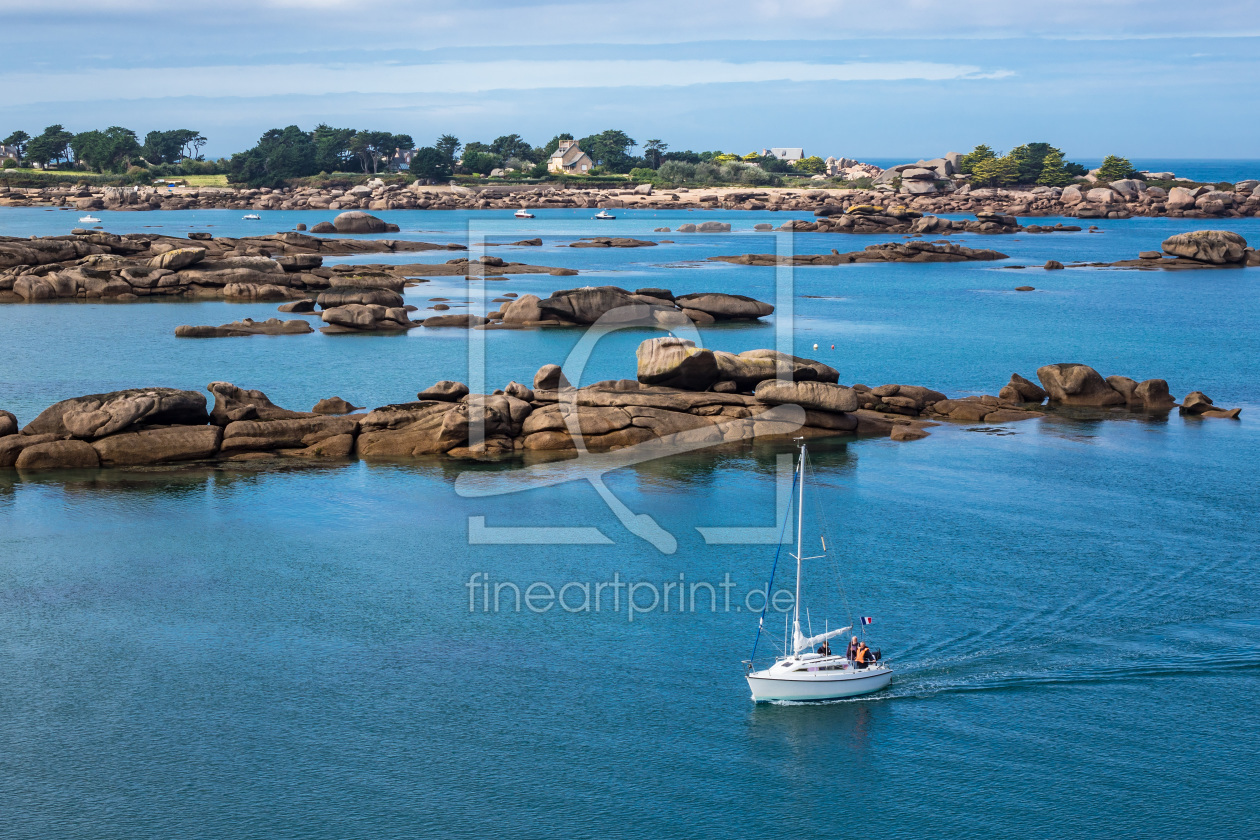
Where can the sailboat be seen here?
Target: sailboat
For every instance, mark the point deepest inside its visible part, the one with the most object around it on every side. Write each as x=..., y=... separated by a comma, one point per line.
x=807, y=670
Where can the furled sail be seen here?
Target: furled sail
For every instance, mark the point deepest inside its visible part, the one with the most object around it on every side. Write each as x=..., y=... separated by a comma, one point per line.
x=803, y=643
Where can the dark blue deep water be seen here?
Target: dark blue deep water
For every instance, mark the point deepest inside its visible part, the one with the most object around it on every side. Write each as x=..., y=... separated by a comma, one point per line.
x=1070, y=603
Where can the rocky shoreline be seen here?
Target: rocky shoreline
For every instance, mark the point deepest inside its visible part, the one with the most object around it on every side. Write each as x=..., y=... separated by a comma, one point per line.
x=1115, y=200
x=684, y=398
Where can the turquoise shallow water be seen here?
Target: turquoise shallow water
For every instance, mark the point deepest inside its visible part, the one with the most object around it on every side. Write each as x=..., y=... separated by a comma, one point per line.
x=1071, y=607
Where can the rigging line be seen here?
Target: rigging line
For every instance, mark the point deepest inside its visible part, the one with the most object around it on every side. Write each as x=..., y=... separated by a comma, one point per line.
x=770, y=582
x=835, y=563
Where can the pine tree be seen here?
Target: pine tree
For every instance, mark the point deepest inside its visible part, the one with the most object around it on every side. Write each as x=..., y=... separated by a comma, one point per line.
x=1053, y=171
x=977, y=155
x=1115, y=169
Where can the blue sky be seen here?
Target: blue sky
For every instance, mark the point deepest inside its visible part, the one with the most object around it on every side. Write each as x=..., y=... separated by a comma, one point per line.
x=855, y=78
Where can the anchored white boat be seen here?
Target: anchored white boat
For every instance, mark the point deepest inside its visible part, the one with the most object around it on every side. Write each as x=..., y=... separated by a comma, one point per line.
x=807, y=670
x=523, y=214
x=89, y=219
x=603, y=214
x=251, y=217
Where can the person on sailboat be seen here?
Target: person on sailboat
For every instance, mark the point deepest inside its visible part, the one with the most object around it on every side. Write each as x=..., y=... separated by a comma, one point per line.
x=825, y=649
x=851, y=653
x=863, y=655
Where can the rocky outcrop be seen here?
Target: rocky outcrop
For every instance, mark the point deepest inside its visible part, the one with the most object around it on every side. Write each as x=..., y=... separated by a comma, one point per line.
x=446, y=390
x=924, y=187
x=616, y=242
x=612, y=304
x=99, y=415
x=8, y=424
x=334, y=405
x=767, y=395
x=1200, y=404
x=886, y=252
x=357, y=222
x=1077, y=384
x=816, y=396
x=58, y=455
x=246, y=326
x=1216, y=247
x=1021, y=390
x=676, y=363
x=345, y=296
x=232, y=403
x=461, y=321
x=355, y=318
x=1080, y=385
x=159, y=446
x=90, y=265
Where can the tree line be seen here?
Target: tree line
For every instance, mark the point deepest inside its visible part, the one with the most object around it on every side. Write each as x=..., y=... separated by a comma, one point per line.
x=1036, y=163
x=285, y=153
x=113, y=149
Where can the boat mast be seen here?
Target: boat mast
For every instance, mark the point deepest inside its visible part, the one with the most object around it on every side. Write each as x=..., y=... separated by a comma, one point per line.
x=800, y=509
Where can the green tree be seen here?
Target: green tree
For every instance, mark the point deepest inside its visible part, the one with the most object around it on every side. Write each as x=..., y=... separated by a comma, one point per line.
x=449, y=146
x=653, y=151
x=814, y=165
x=371, y=147
x=977, y=155
x=1115, y=169
x=996, y=171
x=280, y=154
x=53, y=145
x=112, y=149
x=510, y=146
x=430, y=163
x=17, y=140
x=332, y=148
x=1054, y=171
x=610, y=149
x=480, y=162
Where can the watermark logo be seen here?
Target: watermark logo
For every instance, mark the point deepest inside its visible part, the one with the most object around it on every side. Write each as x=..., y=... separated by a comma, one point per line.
x=593, y=466
x=620, y=596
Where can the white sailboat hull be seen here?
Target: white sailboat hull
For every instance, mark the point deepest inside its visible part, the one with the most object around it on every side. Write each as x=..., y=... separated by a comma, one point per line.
x=817, y=686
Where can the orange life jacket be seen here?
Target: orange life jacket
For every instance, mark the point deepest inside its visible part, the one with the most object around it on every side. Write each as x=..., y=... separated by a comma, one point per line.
x=861, y=654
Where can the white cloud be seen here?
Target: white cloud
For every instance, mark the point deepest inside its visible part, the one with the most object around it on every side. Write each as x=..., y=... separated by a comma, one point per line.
x=455, y=77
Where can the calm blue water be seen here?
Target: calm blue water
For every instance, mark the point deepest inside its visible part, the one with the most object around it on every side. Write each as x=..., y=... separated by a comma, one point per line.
x=1071, y=607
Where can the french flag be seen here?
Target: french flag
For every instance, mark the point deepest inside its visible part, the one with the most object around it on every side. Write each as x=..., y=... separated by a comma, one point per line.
x=866, y=619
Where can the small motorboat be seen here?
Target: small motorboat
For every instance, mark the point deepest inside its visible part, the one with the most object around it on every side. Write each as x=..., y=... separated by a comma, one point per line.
x=251, y=217
x=523, y=214
x=808, y=670
x=89, y=219
x=602, y=215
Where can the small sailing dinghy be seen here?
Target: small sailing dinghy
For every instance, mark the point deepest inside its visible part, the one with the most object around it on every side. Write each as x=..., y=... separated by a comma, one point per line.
x=807, y=670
